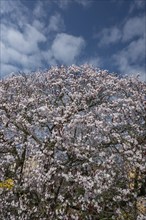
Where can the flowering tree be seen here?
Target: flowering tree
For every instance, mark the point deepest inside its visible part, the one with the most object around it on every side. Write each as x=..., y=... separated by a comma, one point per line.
x=72, y=145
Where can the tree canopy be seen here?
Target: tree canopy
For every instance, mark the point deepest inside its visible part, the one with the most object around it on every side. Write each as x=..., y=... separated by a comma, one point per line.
x=72, y=145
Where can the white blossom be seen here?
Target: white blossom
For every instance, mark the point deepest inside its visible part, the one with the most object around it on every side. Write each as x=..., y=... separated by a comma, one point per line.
x=72, y=140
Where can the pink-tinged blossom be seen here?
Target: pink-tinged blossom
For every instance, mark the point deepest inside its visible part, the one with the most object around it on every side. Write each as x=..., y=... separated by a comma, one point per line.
x=73, y=141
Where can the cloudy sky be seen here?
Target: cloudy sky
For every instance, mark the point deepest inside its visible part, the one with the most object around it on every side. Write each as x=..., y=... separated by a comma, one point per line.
x=109, y=34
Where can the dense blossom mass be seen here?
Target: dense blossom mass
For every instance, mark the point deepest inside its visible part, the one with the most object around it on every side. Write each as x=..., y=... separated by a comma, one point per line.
x=72, y=146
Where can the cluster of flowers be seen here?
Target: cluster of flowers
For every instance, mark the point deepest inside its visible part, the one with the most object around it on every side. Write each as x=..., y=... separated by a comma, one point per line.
x=73, y=143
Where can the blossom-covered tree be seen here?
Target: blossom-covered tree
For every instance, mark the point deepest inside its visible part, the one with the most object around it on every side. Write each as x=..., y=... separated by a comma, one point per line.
x=72, y=145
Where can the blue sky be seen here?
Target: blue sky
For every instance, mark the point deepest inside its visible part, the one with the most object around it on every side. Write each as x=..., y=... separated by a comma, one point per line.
x=109, y=34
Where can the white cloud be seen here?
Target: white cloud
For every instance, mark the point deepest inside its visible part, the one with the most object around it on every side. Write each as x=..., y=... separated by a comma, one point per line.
x=12, y=12
x=84, y=3
x=40, y=26
x=20, y=50
x=137, y=4
x=66, y=48
x=39, y=10
x=131, y=36
x=134, y=27
x=140, y=3
x=129, y=59
x=56, y=23
x=11, y=57
x=93, y=61
x=135, y=50
x=20, y=38
x=26, y=42
x=109, y=36
x=7, y=6
x=65, y=3
x=6, y=69
x=49, y=58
